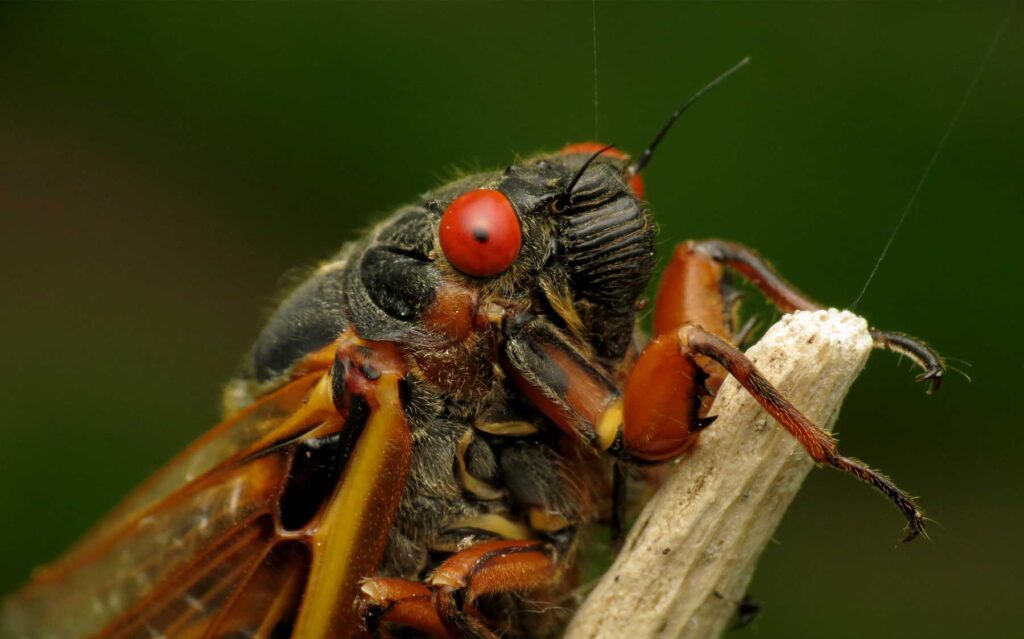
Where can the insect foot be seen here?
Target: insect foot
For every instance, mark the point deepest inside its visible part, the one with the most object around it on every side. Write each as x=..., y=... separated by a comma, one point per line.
x=738, y=479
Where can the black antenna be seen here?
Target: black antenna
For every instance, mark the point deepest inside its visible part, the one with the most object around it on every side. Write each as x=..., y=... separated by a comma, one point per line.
x=649, y=151
x=565, y=196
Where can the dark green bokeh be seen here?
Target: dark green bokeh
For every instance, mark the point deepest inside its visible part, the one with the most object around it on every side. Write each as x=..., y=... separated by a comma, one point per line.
x=163, y=168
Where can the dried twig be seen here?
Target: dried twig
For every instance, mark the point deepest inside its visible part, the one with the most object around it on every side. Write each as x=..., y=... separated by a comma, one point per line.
x=692, y=552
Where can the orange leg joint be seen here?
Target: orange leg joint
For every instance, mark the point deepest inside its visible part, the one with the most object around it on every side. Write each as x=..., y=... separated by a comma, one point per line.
x=668, y=391
x=496, y=566
x=820, y=445
x=487, y=568
x=660, y=419
x=690, y=293
x=659, y=425
x=399, y=602
x=691, y=274
x=444, y=607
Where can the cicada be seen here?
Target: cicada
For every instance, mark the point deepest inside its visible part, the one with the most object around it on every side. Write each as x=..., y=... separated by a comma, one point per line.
x=428, y=425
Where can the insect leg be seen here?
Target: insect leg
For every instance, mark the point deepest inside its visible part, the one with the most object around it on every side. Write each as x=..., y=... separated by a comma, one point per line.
x=928, y=360
x=491, y=567
x=663, y=402
x=693, y=341
x=562, y=380
x=693, y=291
x=678, y=291
x=662, y=411
x=399, y=602
x=690, y=292
x=444, y=608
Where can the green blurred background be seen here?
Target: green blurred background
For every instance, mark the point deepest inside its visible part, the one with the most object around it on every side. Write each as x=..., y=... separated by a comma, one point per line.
x=166, y=168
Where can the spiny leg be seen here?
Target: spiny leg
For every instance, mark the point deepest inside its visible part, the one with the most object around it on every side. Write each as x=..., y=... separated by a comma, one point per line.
x=783, y=295
x=445, y=607
x=387, y=601
x=661, y=413
x=819, y=444
x=491, y=567
x=930, y=362
x=754, y=269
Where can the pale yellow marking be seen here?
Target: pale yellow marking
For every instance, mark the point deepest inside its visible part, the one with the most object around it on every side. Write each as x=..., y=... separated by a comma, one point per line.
x=372, y=590
x=443, y=579
x=497, y=524
x=608, y=425
x=506, y=429
x=543, y=520
x=494, y=313
x=478, y=487
x=320, y=398
x=561, y=301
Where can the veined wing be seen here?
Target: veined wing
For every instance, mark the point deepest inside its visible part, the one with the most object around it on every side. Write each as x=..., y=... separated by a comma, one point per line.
x=218, y=554
x=244, y=430
x=245, y=583
x=161, y=528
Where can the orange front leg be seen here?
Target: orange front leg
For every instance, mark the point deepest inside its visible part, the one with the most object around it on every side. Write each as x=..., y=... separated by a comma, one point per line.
x=660, y=425
x=694, y=290
x=665, y=405
x=690, y=292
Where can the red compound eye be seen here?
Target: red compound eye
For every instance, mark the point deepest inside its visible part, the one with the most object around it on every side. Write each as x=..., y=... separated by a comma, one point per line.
x=480, y=233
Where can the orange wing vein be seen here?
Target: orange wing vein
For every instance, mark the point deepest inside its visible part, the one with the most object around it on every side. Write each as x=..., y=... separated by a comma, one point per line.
x=199, y=551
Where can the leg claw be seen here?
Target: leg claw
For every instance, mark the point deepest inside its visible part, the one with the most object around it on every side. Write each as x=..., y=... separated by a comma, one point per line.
x=934, y=376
